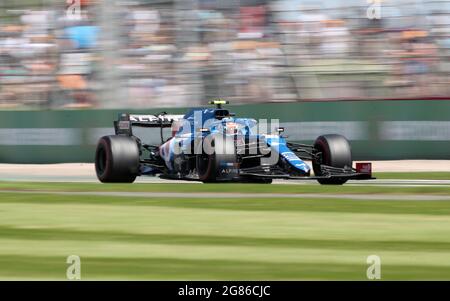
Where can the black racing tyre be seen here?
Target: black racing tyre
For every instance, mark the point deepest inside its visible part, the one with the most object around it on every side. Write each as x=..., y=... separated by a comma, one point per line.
x=336, y=152
x=209, y=165
x=117, y=159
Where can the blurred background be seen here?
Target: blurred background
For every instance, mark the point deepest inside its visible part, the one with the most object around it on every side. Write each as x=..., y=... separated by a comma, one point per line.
x=375, y=71
x=58, y=54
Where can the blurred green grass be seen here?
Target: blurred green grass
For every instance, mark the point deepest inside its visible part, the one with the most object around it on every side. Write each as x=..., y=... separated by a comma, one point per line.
x=230, y=239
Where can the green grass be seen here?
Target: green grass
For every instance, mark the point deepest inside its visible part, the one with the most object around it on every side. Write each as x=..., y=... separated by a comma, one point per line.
x=207, y=239
x=224, y=187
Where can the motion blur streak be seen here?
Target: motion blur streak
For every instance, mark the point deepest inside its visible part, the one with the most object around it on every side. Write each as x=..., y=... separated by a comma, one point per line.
x=147, y=53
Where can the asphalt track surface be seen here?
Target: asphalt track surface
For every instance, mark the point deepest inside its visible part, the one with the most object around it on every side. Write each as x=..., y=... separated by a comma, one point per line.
x=67, y=178
x=202, y=195
x=84, y=173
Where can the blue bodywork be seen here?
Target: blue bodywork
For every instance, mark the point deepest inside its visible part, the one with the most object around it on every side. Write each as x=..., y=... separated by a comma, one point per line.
x=245, y=127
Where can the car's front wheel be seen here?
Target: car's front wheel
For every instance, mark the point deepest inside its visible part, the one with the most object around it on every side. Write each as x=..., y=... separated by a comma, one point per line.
x=334, y=150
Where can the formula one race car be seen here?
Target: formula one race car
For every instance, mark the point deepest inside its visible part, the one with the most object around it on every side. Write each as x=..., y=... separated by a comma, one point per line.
x=212, y=145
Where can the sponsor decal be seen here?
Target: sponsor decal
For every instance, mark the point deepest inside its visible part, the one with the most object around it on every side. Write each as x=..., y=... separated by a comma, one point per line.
x=415, y=130
x=229, y=171
x=310, y=130
x=41, y=136
x=124, y=125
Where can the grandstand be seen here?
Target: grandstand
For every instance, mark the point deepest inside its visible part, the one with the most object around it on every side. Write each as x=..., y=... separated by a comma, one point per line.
x=164, y=53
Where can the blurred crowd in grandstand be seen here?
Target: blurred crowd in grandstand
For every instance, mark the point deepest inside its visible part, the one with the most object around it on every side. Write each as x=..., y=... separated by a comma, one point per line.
x=162, y=53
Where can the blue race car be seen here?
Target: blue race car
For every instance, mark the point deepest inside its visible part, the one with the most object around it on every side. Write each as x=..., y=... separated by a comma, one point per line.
x=213, y=145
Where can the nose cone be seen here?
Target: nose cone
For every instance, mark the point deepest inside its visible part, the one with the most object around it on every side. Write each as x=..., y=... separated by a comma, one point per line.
x=278, y=144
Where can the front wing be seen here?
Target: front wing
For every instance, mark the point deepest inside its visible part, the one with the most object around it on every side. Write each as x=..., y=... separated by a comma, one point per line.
x=329, y=173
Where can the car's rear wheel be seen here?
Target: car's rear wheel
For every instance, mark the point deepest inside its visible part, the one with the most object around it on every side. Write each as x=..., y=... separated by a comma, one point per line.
x=210, y=167
x=335, y=152
x=117, y=159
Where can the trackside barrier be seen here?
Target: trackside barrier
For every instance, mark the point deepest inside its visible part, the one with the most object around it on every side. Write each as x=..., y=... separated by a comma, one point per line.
x=378, y=130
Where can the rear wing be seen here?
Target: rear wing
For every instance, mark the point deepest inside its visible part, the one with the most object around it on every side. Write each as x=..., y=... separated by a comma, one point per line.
x=124, y=125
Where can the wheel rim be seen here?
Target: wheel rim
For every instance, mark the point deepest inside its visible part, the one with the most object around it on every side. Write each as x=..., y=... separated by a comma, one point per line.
x=203, y=164
x=101, y=160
